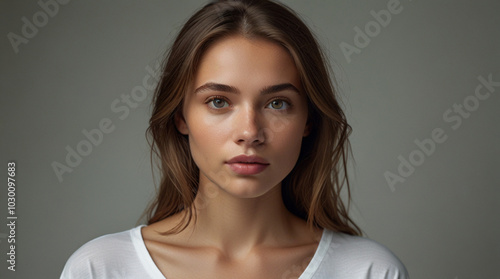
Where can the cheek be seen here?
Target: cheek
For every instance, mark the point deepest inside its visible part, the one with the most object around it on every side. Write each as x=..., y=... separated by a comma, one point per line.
x=288, y=140
x=206, y=136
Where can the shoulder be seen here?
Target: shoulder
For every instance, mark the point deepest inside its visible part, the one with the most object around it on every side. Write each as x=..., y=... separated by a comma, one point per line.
x=102, y=256
x=359, y=257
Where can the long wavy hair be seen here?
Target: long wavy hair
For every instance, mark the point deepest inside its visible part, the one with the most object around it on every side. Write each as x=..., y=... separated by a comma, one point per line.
x=312, y=189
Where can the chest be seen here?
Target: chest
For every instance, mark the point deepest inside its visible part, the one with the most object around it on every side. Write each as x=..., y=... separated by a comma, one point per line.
x=178, y=263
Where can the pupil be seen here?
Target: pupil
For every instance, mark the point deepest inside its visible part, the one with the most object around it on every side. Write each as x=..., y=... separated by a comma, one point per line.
x=276, y=104
x=219, y=103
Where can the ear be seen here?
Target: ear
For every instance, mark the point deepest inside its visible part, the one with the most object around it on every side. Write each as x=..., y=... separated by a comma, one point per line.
x=180, y=123
x=307, y=129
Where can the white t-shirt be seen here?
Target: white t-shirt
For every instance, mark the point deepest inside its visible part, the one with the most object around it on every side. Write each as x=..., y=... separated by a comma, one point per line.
x=340, y=256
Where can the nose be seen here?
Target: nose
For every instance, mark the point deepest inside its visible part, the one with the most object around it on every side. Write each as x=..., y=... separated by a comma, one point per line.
x=248, y=128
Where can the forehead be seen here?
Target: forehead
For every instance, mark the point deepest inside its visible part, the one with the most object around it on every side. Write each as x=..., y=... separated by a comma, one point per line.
x=238, y=60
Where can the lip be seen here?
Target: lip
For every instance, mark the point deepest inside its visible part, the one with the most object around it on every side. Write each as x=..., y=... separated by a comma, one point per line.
x=248, y=159
x=247, y=165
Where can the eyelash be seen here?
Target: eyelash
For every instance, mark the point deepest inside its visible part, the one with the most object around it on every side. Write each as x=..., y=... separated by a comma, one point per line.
x=284, y=99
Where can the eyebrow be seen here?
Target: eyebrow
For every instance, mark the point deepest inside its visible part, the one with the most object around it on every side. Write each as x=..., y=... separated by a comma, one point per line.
x=212, y=86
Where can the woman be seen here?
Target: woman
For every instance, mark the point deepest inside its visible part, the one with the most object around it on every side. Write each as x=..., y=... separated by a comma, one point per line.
x=252, y=148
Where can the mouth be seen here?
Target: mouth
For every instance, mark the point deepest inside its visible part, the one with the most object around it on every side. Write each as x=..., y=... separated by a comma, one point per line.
x=245, y=159
x=247, y=165
x=247, y=168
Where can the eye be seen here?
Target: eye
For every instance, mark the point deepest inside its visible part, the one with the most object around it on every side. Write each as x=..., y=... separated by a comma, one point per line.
x=217, y=103
x=279, y=104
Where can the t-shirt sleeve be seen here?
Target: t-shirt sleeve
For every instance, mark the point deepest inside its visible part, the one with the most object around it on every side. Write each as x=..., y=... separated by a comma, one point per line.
x=104, y=257
x=358, y=257
x=378, y=262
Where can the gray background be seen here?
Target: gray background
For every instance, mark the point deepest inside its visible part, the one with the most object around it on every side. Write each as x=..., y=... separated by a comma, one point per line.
x=442, y=221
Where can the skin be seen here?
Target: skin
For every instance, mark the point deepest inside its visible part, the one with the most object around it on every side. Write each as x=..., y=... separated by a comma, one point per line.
x=243, y=229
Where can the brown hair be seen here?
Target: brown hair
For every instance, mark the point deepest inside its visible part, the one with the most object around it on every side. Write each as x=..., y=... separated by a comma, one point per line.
x=312, y=189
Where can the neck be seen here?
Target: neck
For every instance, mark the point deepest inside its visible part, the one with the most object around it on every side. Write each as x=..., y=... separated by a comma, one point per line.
x=237, y=225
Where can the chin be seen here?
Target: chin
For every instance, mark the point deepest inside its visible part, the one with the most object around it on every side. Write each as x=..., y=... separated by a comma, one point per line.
x=249, y=189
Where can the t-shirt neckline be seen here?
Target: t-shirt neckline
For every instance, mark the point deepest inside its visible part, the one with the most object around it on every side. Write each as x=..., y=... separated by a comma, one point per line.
x=153, y=270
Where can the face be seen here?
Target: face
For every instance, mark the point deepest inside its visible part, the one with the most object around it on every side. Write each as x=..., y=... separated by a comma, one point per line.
x=246, y=99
